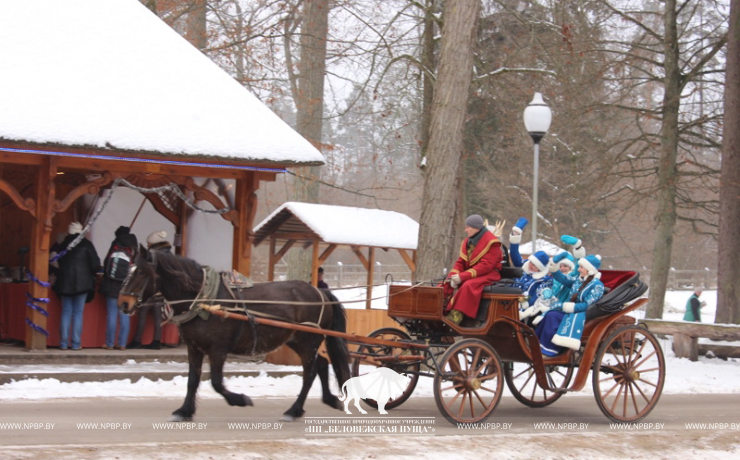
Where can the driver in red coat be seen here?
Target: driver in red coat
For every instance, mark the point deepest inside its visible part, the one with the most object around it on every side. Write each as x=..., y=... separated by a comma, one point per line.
x=478, y=266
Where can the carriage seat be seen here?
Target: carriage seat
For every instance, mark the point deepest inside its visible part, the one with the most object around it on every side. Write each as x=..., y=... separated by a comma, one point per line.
x=505, y=284
x=510, y=273
x=620, y=288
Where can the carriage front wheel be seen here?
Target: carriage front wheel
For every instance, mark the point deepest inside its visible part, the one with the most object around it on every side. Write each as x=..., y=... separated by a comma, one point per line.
x=469, y=382
x=409, y=369
x=628, y=374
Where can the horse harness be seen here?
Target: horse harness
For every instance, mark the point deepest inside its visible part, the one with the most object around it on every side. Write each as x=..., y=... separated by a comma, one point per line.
x=233, y=281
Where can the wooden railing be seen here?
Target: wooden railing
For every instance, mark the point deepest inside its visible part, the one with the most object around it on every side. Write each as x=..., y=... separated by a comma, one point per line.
x=686, y=337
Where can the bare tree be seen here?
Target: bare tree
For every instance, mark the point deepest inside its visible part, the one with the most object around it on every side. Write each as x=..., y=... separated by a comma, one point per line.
x=667, y=53
x=307, y=86
x=446, y=141
x=728, y=292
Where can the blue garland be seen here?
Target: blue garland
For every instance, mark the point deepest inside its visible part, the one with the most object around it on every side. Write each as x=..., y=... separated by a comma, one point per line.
x=31, y=303
x=34, y=299
x=36, y=327
x=33, y=278
x=38, y=308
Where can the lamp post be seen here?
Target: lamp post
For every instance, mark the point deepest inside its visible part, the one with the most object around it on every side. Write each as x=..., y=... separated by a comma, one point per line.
x=537, y=118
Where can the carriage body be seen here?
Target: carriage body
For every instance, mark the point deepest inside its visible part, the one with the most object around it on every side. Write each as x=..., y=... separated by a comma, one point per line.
x=628, y=364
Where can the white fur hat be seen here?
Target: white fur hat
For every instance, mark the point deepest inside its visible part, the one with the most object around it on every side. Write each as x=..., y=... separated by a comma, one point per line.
x=75, y=228
x=540, y=260
x=592, y=264
x=156, y=237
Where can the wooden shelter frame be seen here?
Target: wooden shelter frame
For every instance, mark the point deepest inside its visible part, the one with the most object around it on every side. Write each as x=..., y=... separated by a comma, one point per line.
x=286, y=230
x=103, y=166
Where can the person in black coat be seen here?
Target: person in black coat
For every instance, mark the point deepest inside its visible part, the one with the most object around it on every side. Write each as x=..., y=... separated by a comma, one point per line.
x=157, y=241
x=321, y=283
x=75, y=285
x=115, y=269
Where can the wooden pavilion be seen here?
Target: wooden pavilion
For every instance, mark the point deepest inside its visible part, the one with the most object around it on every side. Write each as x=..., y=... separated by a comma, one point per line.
x=86, y=101
x=324, y=228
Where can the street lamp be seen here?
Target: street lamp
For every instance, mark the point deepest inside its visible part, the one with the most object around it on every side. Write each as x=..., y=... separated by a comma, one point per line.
x=537, y=118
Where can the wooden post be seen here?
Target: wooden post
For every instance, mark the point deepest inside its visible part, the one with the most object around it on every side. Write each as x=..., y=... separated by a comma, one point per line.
x=271, y=259
x=182, y=230
x=315, y=263
x=246, y=206
x=39, y=260
x=370, y=270
x=685, y=346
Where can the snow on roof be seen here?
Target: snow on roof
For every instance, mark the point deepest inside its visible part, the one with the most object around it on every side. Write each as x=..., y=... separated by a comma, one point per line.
x=354, y=226
x=109, y=73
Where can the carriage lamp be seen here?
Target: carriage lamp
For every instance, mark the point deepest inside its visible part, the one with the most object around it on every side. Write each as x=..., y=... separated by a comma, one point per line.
x=537, y=118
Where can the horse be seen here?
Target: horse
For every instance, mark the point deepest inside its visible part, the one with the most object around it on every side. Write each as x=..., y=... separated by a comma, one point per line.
x=181, y=280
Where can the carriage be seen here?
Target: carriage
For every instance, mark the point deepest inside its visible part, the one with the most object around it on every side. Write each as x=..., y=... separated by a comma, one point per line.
x=470, y=362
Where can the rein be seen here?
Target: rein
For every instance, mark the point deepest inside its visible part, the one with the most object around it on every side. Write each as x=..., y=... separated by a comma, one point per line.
x=278, y=302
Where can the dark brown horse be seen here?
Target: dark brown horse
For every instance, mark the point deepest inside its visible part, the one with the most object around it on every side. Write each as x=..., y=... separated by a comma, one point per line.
x=180, y=279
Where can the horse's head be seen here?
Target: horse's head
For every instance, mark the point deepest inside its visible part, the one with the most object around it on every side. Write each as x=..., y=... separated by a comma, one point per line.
x=140, y=284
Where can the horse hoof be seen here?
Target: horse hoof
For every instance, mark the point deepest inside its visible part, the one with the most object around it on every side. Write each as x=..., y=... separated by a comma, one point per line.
x=287, y=418
x=179, y=418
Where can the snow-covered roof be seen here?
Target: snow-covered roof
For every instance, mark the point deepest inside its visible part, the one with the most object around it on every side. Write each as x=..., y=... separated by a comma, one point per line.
x=342, y=225
x=110, y=74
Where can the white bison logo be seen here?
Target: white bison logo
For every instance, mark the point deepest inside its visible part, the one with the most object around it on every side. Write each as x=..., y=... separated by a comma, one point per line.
x=381, y=385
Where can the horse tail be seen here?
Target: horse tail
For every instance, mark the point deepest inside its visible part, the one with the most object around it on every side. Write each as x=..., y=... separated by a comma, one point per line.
x=337, y=346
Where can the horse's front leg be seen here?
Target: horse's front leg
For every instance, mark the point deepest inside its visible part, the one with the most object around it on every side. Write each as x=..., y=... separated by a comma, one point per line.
x=217, y=360
x=186, y=411
x=308, y=353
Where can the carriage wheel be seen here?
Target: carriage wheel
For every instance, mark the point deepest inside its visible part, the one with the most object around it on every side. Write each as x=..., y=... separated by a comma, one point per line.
x=628, y=374
x=522, y=382
x=469, y=382
x=409, y=368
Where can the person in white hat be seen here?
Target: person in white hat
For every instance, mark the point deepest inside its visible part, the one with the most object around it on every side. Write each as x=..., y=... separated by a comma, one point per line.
x=562, y=326
x=156, y=241
x=75, y=285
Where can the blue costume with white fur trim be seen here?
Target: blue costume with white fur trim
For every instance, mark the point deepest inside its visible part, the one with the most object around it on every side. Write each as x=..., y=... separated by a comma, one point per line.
x=531, y=284
x=562, y=326
x=561, y=291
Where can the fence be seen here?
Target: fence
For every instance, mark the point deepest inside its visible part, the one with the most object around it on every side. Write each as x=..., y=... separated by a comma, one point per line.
x=690, y=279
x=344, y=275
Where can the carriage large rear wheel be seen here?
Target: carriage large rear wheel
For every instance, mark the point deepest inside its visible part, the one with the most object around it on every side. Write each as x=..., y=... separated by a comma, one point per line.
x=522, y=382
x=408, y=368
x=469, y=382
x=628, y=374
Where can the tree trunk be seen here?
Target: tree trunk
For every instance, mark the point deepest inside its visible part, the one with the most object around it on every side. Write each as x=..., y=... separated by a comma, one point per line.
x=667, y=170
x=436, y=227
x=195, y=29
x=309, y=102
x=428, y=64
x=728, y=292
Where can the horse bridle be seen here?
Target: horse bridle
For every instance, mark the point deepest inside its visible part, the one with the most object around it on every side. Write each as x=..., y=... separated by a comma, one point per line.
x=138, y=296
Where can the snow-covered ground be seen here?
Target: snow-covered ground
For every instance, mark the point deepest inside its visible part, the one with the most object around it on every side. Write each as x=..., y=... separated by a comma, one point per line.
x=682, y=376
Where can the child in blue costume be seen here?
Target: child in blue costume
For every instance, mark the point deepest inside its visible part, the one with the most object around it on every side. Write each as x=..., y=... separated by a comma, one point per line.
x=535, y=278
x=567, y=266
x=562, y=326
